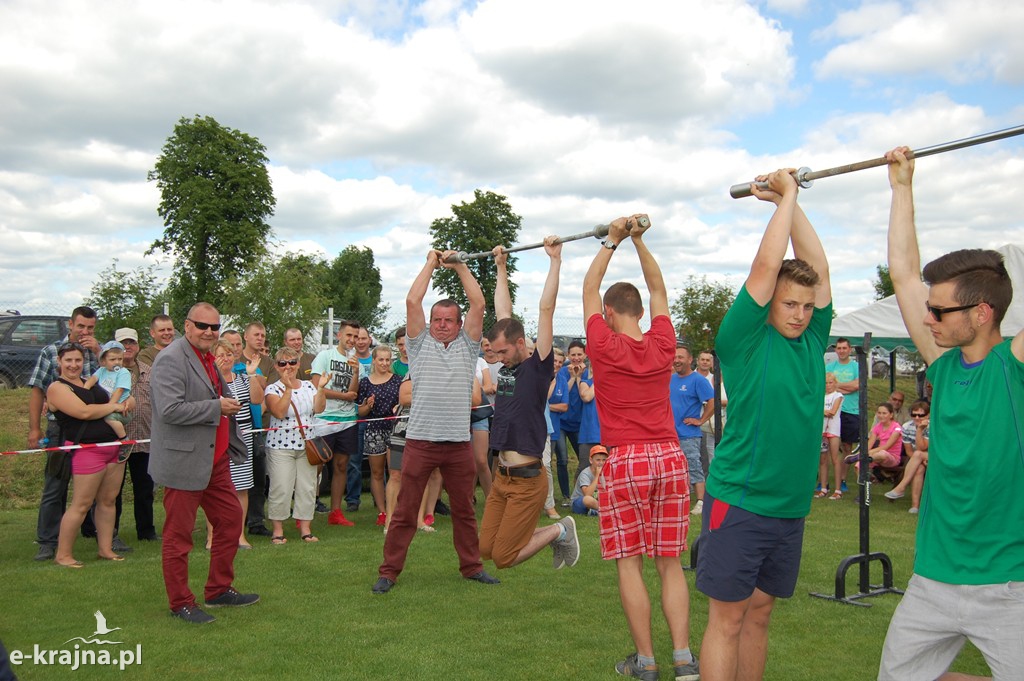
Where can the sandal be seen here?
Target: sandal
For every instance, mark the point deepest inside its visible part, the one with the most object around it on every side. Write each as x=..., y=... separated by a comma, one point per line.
x=426, y=528
x=309, y=539
x=278, y=540
x=836, y=496
x=116, y=558
x=74, y=565
x=821, y=493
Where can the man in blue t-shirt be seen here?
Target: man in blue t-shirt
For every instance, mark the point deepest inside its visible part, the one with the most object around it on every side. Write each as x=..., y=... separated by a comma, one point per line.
x=693, y=403
x=847, y=374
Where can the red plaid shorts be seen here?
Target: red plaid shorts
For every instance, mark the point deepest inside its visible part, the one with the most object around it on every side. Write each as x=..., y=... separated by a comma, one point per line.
x=645, y=503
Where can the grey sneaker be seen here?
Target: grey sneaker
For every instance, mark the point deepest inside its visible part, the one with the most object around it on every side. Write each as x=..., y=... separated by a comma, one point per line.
x=631, y=667
x=567, y=549
x=689, y=671
x=46, y=552
x=232, y=598
x=119, y=546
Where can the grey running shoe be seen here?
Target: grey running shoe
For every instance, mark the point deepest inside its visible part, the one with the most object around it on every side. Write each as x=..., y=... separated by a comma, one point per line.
x=567, y=549
x=119, y=546
x=46, y=552
x=689, y=671
x=631, y=667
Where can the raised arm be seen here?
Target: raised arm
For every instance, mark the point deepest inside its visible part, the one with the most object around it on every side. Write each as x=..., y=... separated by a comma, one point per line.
x=546, y=319
x=649, y=266
x=415, y=321
x=905, y=257
x=502, y=297
x=617, y=232
x=807, y=247
x=764, y=272
x=474, y=320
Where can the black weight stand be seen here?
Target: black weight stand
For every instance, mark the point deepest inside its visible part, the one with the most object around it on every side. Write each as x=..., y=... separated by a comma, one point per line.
x=865, y=557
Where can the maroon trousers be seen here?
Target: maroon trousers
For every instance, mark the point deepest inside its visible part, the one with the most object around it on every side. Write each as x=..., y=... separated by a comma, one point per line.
x=455, y=459
x=220, y=502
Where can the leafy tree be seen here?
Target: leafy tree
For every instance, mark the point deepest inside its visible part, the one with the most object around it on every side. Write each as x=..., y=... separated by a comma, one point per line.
x=279, y=294
x=699, y=310
x=352, y=286
x=883, y=285
x=215, y=198
x=124, y=298
x=476, y=227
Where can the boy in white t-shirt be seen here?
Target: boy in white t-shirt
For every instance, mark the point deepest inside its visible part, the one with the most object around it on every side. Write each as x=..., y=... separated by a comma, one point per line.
x=830, y=439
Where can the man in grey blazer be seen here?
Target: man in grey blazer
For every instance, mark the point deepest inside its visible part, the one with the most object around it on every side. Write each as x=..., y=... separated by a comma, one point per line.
x=193, y=436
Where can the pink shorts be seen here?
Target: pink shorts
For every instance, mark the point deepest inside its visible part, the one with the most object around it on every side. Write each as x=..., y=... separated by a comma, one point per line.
x=645, y=506
x=89, y=460
x=890, y=461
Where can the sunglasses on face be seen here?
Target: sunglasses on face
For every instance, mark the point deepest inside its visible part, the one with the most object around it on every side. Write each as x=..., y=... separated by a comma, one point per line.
x=203, y=326
x=937, y=312
x=918, y=415
x=287, y=362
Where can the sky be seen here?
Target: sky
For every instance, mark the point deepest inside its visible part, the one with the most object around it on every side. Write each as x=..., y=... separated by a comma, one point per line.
x=379, y=115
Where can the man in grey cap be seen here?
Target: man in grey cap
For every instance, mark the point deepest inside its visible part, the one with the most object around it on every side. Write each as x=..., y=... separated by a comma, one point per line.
x=138, y=429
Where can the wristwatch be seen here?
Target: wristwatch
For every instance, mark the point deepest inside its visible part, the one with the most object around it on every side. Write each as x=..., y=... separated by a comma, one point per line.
x=610, y=245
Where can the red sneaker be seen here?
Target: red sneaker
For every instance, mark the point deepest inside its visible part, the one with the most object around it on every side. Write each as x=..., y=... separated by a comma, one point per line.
x=381, y=519
x=336, y=517
x=428, y=520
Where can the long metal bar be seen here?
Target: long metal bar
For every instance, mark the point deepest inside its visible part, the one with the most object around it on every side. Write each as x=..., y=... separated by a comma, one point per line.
x=806, y=176
x=598, y=232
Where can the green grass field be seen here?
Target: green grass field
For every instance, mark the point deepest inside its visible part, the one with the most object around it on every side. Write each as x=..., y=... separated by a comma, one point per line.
x=318, y=620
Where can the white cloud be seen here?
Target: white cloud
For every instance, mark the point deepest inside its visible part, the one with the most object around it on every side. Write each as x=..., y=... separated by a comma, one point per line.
x=953, y=40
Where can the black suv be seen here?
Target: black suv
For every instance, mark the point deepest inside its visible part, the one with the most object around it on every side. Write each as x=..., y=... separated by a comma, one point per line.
x=21, y=339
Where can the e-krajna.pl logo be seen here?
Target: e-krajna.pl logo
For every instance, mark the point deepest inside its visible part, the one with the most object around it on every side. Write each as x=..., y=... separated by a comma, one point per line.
x=80, y=655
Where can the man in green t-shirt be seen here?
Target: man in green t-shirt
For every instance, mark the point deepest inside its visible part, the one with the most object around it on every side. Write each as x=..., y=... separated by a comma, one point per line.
x=968, y=581
x=759, y=488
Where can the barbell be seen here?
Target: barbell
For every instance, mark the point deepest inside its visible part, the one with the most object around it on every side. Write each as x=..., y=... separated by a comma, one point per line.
x=598, y=232
x=805, y=177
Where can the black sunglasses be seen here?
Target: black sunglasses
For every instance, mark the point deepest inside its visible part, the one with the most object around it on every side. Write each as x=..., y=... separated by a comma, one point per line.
x=918, y=414
x=937, y=312
x=287, y=362
x=67, y=347
x=203, y=326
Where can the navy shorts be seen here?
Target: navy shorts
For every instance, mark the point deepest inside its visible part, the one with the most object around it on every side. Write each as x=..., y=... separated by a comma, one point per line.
x=849, y=427
x=344, y=442
x=740, y=551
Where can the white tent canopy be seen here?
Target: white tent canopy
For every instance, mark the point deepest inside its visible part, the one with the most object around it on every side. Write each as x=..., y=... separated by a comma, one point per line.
x=883, y=321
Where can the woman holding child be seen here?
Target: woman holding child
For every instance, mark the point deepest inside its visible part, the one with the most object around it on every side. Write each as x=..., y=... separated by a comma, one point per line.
x=96, y=472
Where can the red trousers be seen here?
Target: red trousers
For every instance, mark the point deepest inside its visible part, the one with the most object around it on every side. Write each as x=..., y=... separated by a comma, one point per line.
x=220, y=502
x=455, y=459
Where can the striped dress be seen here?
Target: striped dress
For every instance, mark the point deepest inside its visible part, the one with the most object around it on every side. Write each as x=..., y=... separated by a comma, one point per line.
x=241, y=473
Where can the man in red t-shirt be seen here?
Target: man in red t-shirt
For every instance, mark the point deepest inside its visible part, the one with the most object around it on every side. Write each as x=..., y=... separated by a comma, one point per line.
x=645, y=503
